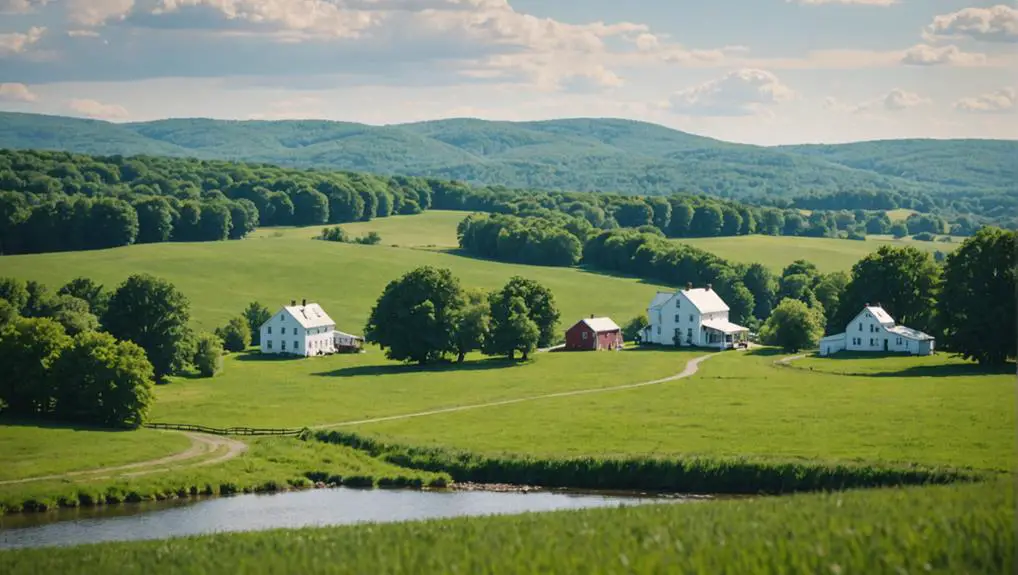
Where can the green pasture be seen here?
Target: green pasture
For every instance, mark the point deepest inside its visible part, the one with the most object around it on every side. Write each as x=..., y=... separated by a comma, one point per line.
x=741, y=404
x=266, y=392
x=269, y=464
x=32, y=449
x=941, y=530
x=220, y=278
x=434, y=228
x=900, y=214
x=829, y=255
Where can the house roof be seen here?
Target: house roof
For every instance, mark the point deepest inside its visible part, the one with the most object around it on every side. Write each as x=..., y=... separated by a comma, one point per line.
x=600, y=324
x=834, y=337
x=345, y=335
x=309, y=316
x=705, y=300
x=725, y=327
x=878, y=312
x=661, y=298
x=909, y=333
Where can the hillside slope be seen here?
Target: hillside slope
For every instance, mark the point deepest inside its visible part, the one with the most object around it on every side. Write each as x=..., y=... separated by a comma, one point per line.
x=575, y=154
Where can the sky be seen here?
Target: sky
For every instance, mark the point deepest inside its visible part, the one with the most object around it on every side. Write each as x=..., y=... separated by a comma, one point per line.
x=765, y=72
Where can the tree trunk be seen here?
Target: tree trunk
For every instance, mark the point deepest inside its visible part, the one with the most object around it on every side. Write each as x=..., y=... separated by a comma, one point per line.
x=512, y=354
x=460, y=357
x=524, y=356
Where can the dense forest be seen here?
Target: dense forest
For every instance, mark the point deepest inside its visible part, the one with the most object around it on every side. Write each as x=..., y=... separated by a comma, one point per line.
x=58, y=201
x=951, y=178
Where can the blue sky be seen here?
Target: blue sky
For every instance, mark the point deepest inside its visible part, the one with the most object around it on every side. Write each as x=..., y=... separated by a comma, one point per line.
x=757, y=71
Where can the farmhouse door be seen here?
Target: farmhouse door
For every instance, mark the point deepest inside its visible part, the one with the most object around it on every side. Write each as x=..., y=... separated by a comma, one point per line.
x=885, y=344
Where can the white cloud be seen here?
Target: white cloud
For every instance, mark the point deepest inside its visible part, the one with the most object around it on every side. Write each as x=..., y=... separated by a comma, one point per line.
x=98, y=12
x=856, y=2
x=98, y=110
x=996, y=102
x=742, y=92
x=926, y=55
x=82, y=33
x=995, y=24
x=20, y=6
x=897, y=100
x=17, y=42
x=298, y=108
x=13, y=92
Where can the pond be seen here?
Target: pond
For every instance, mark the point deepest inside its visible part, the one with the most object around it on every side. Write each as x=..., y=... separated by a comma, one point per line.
x=318, y=507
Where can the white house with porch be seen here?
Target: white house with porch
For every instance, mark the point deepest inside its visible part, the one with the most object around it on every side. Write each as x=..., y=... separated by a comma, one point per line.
x=874, y=330
x=303, y=329
x=691, y=317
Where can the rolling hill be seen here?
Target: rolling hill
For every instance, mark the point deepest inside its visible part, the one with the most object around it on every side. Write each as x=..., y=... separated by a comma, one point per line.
x=574, y=154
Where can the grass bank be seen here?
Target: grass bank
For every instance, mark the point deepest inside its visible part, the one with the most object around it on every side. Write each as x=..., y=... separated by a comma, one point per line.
x=37, y=449
x=270, y=464
x=699, y=475
x=942, y=530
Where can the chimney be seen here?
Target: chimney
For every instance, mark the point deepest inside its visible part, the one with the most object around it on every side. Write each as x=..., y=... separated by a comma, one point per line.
x=591, y=316
x=303, y=303
x=689, y=286
x=708, y=287
x=867, y=304
x=293, y=302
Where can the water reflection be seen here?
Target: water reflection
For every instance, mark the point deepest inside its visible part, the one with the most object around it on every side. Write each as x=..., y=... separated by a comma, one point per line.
x=318, y=507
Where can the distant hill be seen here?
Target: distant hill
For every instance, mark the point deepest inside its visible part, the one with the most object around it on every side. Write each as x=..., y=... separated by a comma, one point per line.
x=573, y=154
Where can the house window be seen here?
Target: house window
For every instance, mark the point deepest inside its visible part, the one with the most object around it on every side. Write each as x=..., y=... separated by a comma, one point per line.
x=659, y=330
x=584, y=335
x=689, y=332
x=283, y=331
x=860, y=326
x=677, y=320
x=270, y=330
x=690, y=317
x=282, y=344
x=269, y=342
x=295, y=346
x=899, y=341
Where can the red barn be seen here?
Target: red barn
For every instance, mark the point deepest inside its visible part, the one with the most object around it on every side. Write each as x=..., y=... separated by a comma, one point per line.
x=595, y=333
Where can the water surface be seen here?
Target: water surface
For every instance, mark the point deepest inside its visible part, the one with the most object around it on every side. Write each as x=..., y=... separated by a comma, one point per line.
x=318, y=507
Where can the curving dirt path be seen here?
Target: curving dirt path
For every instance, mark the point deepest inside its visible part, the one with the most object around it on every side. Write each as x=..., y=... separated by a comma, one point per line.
x=691, y=367
x=202, y=445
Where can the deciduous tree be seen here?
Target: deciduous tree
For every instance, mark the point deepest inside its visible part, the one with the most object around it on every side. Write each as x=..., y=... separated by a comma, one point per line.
x=793, y=326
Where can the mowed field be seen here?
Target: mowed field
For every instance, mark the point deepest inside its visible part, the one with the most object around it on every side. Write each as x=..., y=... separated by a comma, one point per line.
x=431, y=229
x=932, y=411
x=829, y=255
x=220, y=278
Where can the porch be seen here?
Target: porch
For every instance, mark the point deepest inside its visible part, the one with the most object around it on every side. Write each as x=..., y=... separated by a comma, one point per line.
x=724, y=335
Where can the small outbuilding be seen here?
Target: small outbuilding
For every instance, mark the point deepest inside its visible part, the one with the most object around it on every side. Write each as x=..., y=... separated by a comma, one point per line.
x=594, y=334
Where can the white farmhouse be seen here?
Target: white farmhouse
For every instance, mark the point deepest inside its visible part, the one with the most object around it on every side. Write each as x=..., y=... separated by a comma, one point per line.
x=303, y=329
x=691, y=317
x=874, y=330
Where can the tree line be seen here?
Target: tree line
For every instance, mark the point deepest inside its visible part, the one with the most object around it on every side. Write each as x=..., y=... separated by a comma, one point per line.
x=426, y=316
x=57, y=201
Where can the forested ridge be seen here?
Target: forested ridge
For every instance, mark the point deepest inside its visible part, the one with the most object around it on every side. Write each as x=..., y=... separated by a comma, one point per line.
x=952, y=177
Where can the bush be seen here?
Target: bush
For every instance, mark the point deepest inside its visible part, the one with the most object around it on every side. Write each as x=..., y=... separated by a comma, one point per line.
x=236, y=335
x=924, y=237
x=208, y=356
x=370, y=239
x=334, y=234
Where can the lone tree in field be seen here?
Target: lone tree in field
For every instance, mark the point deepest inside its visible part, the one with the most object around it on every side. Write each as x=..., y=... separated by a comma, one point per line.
x=512, y=329
x=414, y=319
x=793, y=326
x=153, y=314
x=977, y=304
x=208, y=354
x=236, y=335
x=540, y=305
x=903, y=280
x=256, y=314
x=471, y=324
x=103, y=381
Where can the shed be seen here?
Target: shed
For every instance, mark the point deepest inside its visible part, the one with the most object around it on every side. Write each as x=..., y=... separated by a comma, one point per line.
x=594, y=334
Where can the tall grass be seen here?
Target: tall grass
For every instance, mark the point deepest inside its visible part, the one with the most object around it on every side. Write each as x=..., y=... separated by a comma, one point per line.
x=942, y=530
x=677, y=474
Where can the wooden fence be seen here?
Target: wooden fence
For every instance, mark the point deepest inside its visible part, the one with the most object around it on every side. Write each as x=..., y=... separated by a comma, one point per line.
x=223, y=431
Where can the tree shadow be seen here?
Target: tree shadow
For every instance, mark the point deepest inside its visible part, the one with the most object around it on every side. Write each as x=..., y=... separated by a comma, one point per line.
x=268, y=357
x=668, y=348
x=43, y=424
x=945, y=371
x=441, y=367
x=765, y=352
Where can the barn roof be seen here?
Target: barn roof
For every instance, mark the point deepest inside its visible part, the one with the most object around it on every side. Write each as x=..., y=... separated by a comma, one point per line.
x=705, y=300
x=601, y=324
x=309, y=316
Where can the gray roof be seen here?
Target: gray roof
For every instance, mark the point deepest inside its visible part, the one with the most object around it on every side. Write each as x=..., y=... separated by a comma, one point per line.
x=601, y=324
x=723, y=326
x=882, y=316
x=310, y=316
x=909, y=333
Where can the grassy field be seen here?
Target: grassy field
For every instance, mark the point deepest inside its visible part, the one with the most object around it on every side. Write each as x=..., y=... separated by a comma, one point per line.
x=220, y=278
x=31, y=450
x=900, y=214
x=944, y=530
x=260, y=392
x=435, y=228
x=269, y=464
x=741, y=404
x=829, y=255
